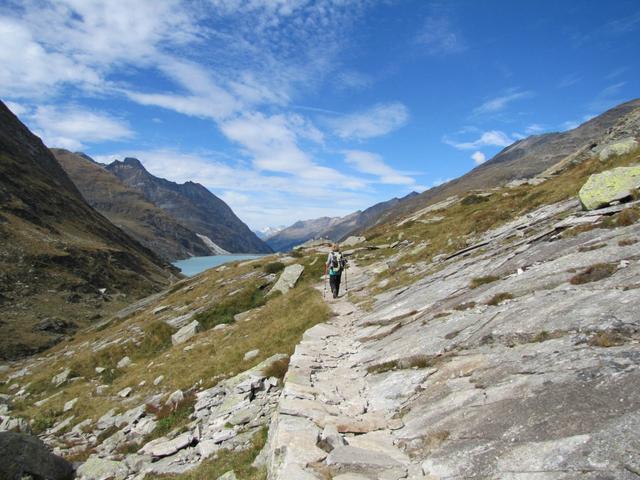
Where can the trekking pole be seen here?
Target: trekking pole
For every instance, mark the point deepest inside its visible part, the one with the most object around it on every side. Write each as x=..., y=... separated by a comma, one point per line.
x=324, y=292
x=346, y=279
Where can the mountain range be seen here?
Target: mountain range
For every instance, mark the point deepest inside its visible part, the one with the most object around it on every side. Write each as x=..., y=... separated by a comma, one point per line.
x=147, y=208
x=333, y=228
x=197, y=208
x=61, y=262
x=537, y=155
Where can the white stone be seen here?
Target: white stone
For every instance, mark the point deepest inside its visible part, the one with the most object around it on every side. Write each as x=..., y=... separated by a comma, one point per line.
x=100, y=369
x=185, y=333
x=102, y=469
x=223, y=435
x=288, y=278
x=163, y=447
x=124, y=362
x=61, y=377
x=125, y=392
x=251, y=355
x=158, y=380
x=175, y=398
x=206, y=448
x=69, y=405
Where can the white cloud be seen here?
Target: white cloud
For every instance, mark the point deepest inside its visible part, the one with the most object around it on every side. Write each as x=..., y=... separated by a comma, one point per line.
x=74, y=127
x=478, y=157
x=259, y=198
x=373, y=164
x=378, y=120
x=492, y=138
x=17, y=108
x=569, y=80
x=497, y=104
x=439, y=36
x=534, y=129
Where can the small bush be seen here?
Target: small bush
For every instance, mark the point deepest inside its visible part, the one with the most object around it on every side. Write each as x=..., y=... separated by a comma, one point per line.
x=223, y=312
x=277, y=369
x=273, y=267
x=157, y=338
x=476, y=282
x=593, y=273
x=473, y=199
x=296, y=254
x=498, y=298
x=465, y=306
x=170, y=417
x=606, y=340
x=627, y=217
x=44, y=421
x=627, y=242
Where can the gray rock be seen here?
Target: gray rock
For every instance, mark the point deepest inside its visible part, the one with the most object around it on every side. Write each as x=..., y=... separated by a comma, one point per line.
x=102, y=469
x=125, y=392
x=251, y=355
x=288, y=278
x=358, y=460
x=621, y=147
x=330, y=439
x=162, y=447
x=228, y=476
x=14, y=424
x=353, y=240
x=124, y=362
x=603, y=188
x=62, y=377
x=186, y=333
x=70, y=404
x=206, y=448
x=24, y=455
x=175, y=398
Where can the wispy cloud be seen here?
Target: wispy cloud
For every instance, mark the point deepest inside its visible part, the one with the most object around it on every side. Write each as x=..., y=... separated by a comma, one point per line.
x=492, y=138
x=534, y=128
x=608, y=97
x=376, y=121
x=373, y=164
x=569, y=80
x=75, y=127
x=501, y=102
x=439, y=35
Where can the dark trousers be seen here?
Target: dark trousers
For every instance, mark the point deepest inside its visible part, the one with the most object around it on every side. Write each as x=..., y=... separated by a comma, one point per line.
x=334, y=281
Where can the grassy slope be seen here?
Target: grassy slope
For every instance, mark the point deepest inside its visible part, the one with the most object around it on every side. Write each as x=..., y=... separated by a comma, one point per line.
x=215, y=355
x=462, y=223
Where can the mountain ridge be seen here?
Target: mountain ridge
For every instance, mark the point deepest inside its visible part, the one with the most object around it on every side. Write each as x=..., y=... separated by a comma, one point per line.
x=194, y=205
x=59, y=256
x=127, y=208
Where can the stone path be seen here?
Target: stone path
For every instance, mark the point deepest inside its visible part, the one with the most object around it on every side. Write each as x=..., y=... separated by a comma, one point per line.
x=325, y=421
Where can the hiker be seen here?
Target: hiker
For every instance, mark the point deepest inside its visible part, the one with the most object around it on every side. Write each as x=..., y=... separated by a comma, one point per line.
x=336, y=263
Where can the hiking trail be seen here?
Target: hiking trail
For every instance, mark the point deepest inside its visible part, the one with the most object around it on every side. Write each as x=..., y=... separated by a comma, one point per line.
x=328, y=419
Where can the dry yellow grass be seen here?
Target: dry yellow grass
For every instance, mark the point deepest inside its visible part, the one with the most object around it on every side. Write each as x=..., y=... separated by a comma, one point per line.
x=145, y=338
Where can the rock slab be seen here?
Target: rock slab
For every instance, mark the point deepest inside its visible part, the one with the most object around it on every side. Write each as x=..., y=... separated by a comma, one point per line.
x=603, y=188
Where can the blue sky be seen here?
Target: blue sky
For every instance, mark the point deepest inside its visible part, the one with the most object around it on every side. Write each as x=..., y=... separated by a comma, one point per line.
x=292, y=109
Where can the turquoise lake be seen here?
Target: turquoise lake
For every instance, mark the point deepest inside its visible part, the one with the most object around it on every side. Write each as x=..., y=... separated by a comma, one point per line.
x=194, y=265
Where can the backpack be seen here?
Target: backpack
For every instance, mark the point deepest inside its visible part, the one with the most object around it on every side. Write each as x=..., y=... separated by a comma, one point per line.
x=337, y=262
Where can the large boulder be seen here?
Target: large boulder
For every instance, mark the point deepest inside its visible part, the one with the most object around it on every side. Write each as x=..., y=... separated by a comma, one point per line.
x=603, y=188
x=621, y=147
x=24, y=455
x=288, y=278
x=185, y=333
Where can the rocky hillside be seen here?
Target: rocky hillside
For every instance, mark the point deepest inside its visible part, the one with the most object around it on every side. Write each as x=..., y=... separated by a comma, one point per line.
x=62, y=264
x=536, y=157
x=491, y=336
x=333, y=228
x=127, y=208
x=196, y=208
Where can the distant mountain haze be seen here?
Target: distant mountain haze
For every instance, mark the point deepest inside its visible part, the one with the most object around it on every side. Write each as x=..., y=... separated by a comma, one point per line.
x=333, y=228
x=56, y=252
x=127, y=208
x=194, y=206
